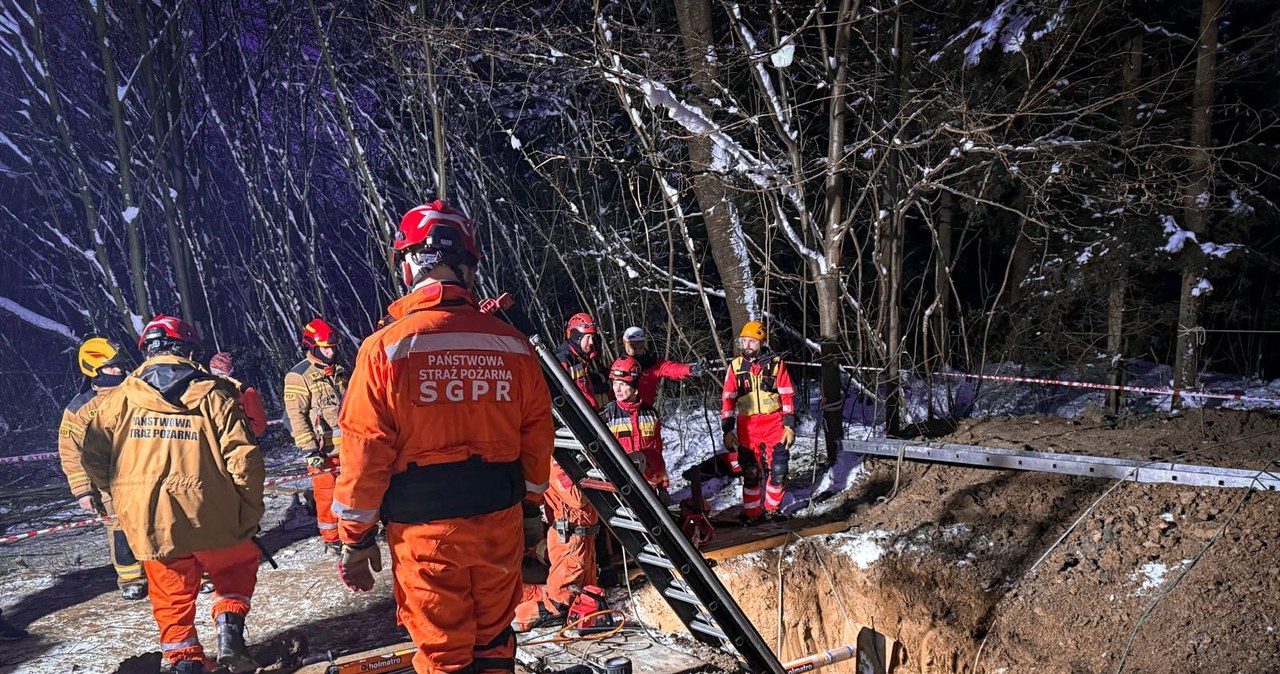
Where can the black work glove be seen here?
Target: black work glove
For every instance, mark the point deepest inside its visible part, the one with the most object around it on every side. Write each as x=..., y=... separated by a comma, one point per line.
x=697, y=369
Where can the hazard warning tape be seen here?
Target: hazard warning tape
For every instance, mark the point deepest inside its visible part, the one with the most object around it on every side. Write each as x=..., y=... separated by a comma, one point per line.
x=13, y=538
x=61, y=527
x=46, y=456
x=301, y=476
x=1110, y=387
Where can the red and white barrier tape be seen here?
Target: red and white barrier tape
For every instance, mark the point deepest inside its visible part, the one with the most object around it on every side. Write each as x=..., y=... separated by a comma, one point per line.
x=13, y=538
x=46, y=456
x=61, y=527
x=294, y=478
x=1110, y=387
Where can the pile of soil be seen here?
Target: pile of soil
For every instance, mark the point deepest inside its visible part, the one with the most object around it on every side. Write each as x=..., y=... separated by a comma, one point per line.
x=963, y=568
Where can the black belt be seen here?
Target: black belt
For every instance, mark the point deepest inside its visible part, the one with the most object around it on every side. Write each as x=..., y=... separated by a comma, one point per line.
x=447, y=490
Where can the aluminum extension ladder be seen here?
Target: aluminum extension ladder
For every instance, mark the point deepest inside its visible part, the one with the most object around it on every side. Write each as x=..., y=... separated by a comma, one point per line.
x=631, y=510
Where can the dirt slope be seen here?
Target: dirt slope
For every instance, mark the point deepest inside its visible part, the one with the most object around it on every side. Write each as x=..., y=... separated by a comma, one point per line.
x=948, y=566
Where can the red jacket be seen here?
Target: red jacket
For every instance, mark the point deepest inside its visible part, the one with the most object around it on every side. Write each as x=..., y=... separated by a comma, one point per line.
x=654, y=373
x=251, y=401
x=581, y=371
x=639, y=429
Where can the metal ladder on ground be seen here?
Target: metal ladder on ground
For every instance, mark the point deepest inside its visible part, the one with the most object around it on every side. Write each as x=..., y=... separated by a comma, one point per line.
x=628, y=506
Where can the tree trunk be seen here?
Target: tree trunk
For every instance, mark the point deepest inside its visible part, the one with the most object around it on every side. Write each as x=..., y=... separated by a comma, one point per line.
x=380, y=229
x=828, y=279
x=437, y=120
x=124, y=174
x=936, y=341
x=1131, y=73
x=83, y=189
x=889, y=243
x=168, y=168
x=1186, y=366
x=942, y=280
x=724, y=232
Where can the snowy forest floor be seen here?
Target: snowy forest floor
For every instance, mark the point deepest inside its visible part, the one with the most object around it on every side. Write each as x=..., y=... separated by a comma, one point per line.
x=945, y=567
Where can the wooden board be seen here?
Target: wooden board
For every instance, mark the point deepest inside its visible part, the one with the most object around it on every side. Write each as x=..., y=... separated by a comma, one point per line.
x=733, y=541
x=322, y=667
x=646, y=655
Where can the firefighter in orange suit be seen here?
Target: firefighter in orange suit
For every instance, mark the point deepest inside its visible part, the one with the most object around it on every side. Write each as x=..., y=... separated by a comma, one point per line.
x=571, y=549
x=312, y=395
x=174, y=449
x=105, y=363
x=446, y=431
x=758, y=401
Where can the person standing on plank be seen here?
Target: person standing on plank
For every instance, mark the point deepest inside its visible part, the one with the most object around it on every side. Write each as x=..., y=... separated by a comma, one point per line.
x=759, y=423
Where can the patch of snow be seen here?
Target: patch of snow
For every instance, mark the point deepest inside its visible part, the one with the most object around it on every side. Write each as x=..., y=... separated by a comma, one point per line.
x=1203, y=287
x=515, y=142
x=863, y=548
x=1178, y=236
x=1152, y=575
x=783, y=56
x=37, y=320
x=10, y=144
x=1214, y=250
x=130, y=214
x=1238, y=206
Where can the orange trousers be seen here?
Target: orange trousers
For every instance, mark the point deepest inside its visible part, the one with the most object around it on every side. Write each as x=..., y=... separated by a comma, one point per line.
x=174, y=584
x=457, y=583
x=322, y=489
x=573, y=559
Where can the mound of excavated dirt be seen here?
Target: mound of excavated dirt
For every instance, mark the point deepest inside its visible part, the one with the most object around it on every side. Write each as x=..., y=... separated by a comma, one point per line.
x=948, y=566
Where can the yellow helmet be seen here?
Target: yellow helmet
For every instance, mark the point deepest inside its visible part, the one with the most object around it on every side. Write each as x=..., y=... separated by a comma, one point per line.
x=99, y=352
x=754, y=330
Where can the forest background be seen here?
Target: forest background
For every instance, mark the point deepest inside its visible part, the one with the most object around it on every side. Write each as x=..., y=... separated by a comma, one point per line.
x=908, y=187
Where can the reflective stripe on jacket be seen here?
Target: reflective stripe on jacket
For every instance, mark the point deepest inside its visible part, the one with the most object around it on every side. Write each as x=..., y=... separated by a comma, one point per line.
x=443, y=385
x=312, y=397
x=639, y=429
x=82, y=409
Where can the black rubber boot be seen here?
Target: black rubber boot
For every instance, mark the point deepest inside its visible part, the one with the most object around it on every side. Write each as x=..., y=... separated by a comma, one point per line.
x=232, y=653
x=189, y=667
x=10, y=633
x=134, y=591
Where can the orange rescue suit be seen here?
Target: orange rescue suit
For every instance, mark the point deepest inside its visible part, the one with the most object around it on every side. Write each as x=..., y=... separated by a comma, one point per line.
x=446, y=426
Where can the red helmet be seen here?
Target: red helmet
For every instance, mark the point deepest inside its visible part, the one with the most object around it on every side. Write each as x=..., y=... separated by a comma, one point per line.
x=169, y=330
x=319, y=333
x=581, y=324
x=440, y=227
x=627, y=370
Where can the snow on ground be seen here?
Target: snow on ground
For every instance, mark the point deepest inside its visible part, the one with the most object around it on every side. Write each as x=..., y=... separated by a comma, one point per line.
x=53, y=582
x=863, y=548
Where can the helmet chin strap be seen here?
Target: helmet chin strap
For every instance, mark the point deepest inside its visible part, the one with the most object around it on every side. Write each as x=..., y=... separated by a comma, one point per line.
x=417, y=265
